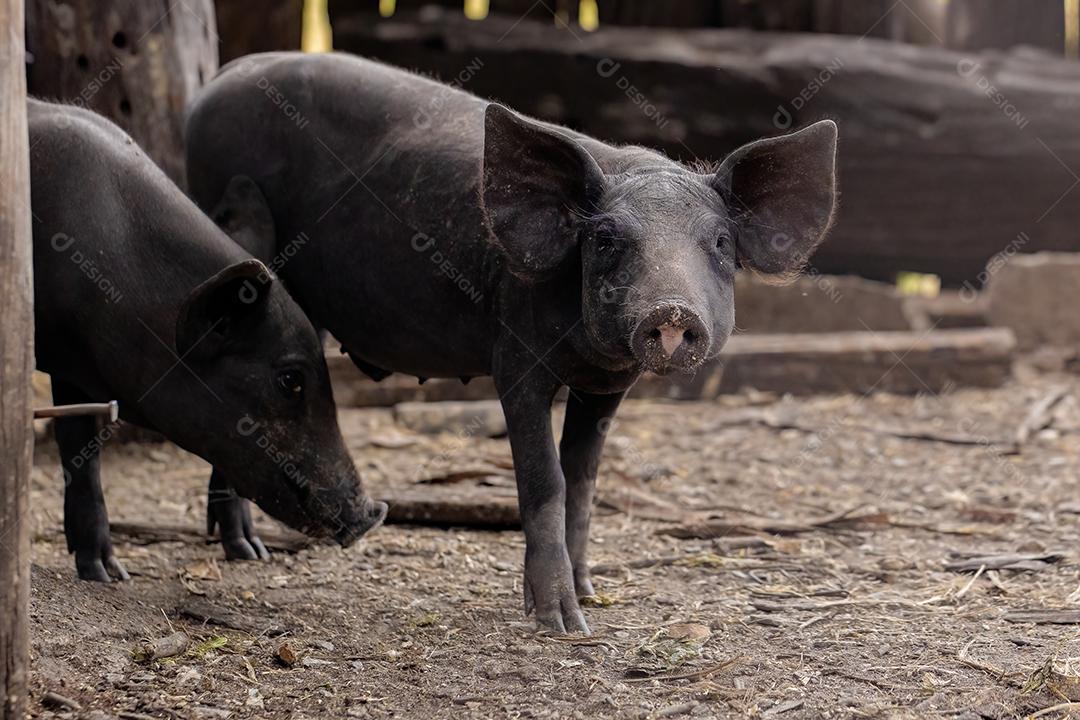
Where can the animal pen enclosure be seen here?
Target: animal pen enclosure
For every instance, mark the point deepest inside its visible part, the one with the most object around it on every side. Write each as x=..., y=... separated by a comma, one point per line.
x=864, y=507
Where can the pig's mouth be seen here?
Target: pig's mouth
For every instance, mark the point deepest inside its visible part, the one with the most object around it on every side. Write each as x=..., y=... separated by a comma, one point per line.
x=321, y=517
x=373, y=514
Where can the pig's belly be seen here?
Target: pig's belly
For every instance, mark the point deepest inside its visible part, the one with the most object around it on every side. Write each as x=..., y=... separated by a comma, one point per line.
x=402, y=345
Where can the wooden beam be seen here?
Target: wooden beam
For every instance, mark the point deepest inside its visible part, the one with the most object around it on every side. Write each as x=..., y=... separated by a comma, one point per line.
x=16, y=363
x=800, y=364
x=847, y=362
x=277, y=25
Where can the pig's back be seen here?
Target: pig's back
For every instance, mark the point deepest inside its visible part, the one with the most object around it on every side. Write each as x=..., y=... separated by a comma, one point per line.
x=117, y=246
x=376, y=171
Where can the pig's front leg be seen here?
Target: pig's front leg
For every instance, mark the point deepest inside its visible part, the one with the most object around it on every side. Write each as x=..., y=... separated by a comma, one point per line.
x=232, y=514
x=549, y=576
x=86, y=521
x=586, y=424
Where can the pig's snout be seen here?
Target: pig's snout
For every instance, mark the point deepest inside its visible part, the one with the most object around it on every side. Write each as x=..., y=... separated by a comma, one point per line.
x=365, y=519
x=670, y=337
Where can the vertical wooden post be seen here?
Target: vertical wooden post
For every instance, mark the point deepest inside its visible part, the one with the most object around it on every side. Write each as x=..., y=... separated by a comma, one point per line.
x=136, y=63
x=16, y=363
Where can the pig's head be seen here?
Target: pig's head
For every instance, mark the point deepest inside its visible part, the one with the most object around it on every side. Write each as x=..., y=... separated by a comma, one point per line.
x=272, y=429
x=657, y=244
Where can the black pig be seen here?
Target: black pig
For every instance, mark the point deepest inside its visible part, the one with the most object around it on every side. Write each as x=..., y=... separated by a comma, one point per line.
x=140, y=297
x=452, y=237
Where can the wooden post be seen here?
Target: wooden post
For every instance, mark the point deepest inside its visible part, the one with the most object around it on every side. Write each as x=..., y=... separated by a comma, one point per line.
x=136, y=63
x=276, y=25
x=16, y=363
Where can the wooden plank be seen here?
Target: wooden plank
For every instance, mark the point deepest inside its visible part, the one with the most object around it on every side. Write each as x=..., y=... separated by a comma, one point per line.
x=674, y=13
x=447, y=508
x=785, y=15
x=865, y=18
x=801, y=364
x=850, y=362
x=276, y=25
x=16, y=364
x=138, y=64
x=1002, y=24
x=945, y=159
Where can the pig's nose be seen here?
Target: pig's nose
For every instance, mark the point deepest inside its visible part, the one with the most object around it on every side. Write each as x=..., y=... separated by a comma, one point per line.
x=670, y=336
x=368, y=518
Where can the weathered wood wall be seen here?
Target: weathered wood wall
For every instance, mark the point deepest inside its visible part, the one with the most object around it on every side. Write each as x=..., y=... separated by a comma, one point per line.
x=16, y=365
x=136, y=63
x=945, y=158
x=958, y=24
x=245, y=27
x=1001, y=24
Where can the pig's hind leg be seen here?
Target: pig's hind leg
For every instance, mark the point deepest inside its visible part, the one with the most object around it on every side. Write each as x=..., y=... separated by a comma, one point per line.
x=587, y=419
x=232, y=514
x=86, y=520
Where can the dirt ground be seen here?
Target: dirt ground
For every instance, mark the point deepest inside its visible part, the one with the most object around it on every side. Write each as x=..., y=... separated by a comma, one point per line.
x=853, y=619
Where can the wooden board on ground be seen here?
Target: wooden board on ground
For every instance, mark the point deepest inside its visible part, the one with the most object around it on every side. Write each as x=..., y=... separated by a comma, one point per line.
x=469, y=506
x=801, y=364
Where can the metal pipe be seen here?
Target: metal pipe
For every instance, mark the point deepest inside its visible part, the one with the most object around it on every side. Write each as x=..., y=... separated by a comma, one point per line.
x=111, y=410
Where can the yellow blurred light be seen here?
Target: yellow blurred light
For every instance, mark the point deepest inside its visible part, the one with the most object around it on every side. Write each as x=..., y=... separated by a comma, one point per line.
x=476, y=9
x=588, y=15
x=387, y=7
x=316, y=35
x=1072, y=28
x=924, y=284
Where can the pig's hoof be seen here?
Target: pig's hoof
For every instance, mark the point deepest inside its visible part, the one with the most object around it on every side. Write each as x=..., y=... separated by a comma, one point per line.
x=583, y=585
x=245, y=548
x=556, y=606
x=233, y=515
x=98, y=566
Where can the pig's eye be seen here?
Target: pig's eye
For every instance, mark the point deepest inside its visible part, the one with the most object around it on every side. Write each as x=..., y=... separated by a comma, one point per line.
x=607, y=238
x=724, y=240
x=290, y=383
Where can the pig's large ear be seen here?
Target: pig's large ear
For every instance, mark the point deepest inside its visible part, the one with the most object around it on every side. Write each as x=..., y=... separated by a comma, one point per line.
x=219, y=312
x=782, y=192
x=244, y=215
x=537, y=182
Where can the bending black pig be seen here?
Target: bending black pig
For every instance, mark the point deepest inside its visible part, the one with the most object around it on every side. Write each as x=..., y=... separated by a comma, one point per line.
x=139, y=297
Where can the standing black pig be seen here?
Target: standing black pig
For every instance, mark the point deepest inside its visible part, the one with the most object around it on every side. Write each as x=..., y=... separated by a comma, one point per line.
x=138, y=296
x=452, y=237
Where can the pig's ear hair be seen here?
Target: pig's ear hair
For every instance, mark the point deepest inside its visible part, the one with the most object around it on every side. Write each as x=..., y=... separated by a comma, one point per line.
x=781, y=192
x=245, y=216
x=536, y=185
x=220, y=312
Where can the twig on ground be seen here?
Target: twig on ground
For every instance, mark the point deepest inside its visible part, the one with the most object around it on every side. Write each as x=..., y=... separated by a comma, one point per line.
x=710, y=529
x=1045, y=616
x=150, y=533
x=1040, y=415
x=1007, y=561
x=168, y=646
x=693, y=674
